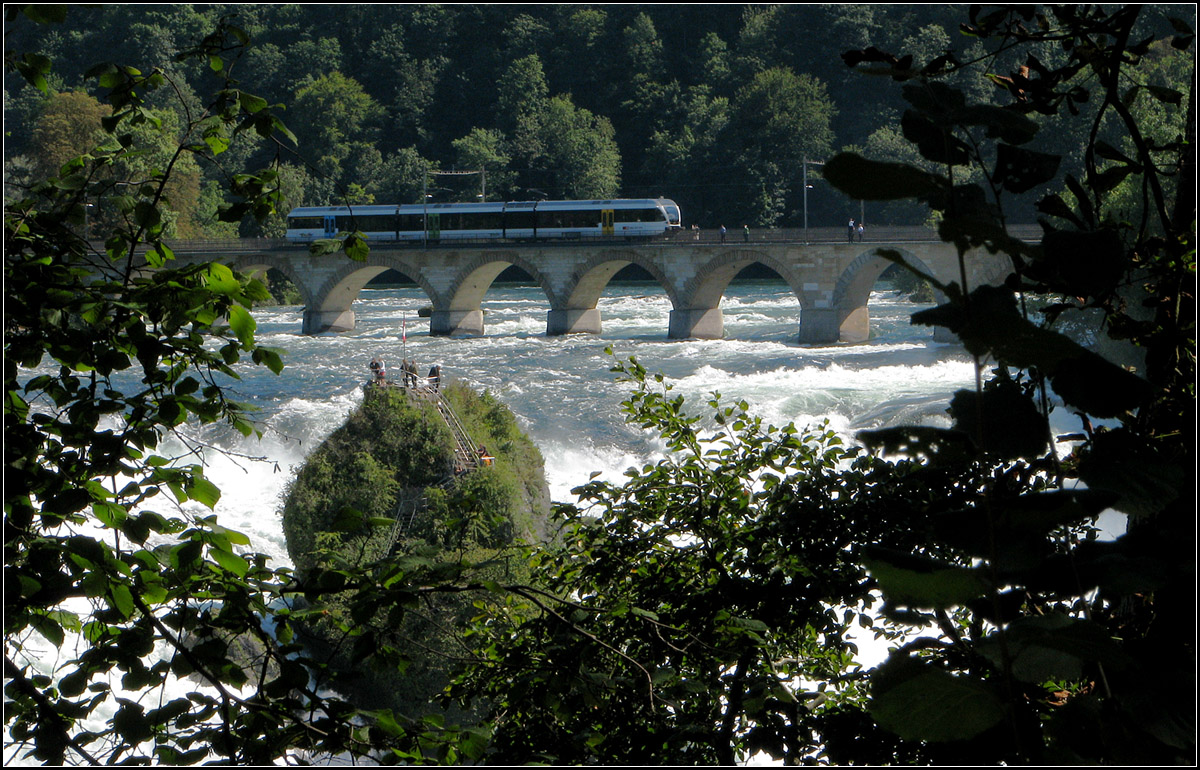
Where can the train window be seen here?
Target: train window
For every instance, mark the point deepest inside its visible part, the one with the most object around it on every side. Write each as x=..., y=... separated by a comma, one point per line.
x=487, y=220
x=377, y=223
x=306, y=223
x=569, y=218
x=637, y=215
x=518, y=220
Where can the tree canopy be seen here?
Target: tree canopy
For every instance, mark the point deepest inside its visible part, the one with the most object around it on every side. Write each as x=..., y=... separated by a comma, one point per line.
x=710, y=105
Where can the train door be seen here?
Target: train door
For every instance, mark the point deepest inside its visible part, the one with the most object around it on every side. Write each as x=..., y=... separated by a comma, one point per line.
x=331, y=228
x=433, y=227
x=606, y=221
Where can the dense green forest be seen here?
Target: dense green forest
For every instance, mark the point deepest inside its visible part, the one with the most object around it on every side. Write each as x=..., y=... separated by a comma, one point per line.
x=715, y=106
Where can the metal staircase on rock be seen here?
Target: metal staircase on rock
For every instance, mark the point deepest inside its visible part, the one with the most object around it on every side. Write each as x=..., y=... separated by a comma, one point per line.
x=411, y=501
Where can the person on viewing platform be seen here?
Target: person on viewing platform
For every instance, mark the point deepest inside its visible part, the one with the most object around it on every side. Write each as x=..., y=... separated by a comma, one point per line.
x=377, y=368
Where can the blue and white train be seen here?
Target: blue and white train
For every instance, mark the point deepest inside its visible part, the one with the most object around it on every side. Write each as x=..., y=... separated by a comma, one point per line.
x=524, y=220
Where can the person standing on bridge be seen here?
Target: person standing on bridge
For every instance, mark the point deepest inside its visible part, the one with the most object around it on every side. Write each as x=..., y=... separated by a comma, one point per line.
x=746, y=232
x=850, y=232
x=861, y=228
x=722, y=233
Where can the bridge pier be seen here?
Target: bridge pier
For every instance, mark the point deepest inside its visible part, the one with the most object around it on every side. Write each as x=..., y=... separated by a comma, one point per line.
x=456, y=323
x=705, y=323
x=319, y=321
x=856, y=327
x=573, y=321
x=819, y=326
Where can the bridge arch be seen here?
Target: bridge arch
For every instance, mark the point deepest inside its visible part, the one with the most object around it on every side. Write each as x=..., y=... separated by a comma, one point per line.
x=459, y=310
x=261, y=263
x=853, y=289
x=573, y=309
x=590, y=277
x=697, y=310
x=330, y=307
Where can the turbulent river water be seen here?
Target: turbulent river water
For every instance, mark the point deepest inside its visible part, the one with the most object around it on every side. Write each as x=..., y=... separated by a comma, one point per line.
x=562, y=389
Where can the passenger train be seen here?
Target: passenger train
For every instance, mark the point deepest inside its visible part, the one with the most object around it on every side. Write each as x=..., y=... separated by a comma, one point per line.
x=524, y=220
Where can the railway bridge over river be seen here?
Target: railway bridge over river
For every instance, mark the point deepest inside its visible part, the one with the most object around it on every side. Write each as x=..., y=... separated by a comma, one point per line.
x=830, y=277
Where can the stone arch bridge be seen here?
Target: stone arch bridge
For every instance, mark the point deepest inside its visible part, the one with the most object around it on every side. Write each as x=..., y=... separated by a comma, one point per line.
x=831, y=281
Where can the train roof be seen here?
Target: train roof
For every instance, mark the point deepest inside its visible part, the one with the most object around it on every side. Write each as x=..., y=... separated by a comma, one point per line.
x=377, y=209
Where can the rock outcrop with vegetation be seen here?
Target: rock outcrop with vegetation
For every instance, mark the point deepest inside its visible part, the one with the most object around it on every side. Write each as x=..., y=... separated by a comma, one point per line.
x=395, y=458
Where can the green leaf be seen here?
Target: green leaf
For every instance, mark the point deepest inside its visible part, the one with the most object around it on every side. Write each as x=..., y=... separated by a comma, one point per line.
x=230, y=561
x=323, y=247
x=1021, y=520
x=48, y=627
x=929, y=704
x=1079, y=264
x=48, y=13
x=356, y=247
x=1002, y=420
x=122, y=599
x=1050, y=648
x=243, y=325
x=937, y=445
x=34, y=68
x=871, y=180
x=203, y=491
x=251, y=103
x=923, y=583
x=935, y=143
x=221, y=280
x=1020, y=170
x=109, y=514
x=991, y=324
x=1125, y=464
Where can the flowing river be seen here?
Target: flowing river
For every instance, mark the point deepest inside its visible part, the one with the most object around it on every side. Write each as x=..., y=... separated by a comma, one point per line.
x=562, y=389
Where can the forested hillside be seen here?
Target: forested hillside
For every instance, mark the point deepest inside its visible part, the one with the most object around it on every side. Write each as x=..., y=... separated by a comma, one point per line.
x=716, y=106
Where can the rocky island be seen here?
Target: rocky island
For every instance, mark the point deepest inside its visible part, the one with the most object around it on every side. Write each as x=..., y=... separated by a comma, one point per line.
x=443, y=474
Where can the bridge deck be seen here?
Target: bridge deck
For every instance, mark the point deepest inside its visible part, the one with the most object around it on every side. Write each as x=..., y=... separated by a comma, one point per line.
x=706, y=237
